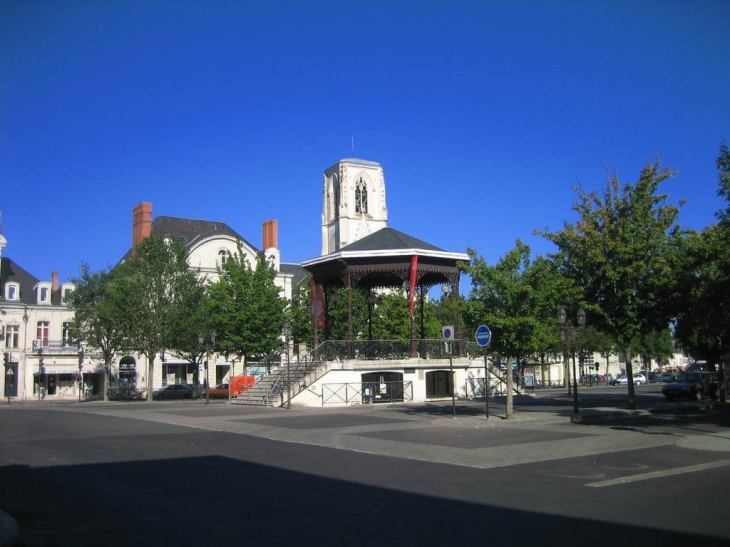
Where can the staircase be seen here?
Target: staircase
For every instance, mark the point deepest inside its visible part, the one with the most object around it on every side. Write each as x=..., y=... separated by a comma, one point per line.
x=271, y=389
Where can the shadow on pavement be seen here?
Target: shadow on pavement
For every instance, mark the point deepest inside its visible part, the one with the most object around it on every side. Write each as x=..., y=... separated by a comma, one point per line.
x=221, y=501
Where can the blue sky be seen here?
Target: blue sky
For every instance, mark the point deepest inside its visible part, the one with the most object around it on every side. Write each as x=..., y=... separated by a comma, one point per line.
x=483, y=115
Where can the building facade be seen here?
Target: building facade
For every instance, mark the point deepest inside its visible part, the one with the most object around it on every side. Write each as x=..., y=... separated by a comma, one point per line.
x=41, y=359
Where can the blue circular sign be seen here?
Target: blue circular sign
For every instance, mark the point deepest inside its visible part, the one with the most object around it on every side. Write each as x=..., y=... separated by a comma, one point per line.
x=484, y=335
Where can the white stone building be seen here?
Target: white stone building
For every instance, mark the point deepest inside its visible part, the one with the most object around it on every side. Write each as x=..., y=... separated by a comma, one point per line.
x=41, y=360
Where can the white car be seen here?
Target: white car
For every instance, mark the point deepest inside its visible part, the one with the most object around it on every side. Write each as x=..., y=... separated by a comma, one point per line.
x=639, y=378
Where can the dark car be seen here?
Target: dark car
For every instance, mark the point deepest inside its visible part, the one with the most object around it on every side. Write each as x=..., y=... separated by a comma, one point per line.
x=694, y=385
x=173, y=391
x=221, y=390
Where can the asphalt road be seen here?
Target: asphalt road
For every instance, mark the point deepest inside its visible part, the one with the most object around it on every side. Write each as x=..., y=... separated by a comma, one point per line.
x=186, y=473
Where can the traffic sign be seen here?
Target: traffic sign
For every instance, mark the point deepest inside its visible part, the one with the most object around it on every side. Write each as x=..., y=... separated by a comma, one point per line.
x=483, y=335
x=448, y=333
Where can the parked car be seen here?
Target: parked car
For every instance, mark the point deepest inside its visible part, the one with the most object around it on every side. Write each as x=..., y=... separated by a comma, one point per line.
x=622, y=380
x=221, y=390
x=173, y=391
x=695, y=385
x=670, y=375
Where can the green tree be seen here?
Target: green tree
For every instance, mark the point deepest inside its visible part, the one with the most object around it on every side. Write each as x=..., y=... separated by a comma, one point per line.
x=188, y=316
x=299, y=314
x=620, y=253
x=152, y=286
x=702, y=325
x=96, y=316
x=391, y=317
x=246, y=308
x=518, y=299
x=656, y=347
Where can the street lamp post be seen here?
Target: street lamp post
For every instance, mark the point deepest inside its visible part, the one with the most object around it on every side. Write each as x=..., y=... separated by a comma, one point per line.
x=286, y=331
x=569, y=329
x=208, y=346
x=81, y=364
x=231, y=375
x=372, y=299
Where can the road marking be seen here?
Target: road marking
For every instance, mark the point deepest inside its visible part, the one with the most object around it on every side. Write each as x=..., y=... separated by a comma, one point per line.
x=659, y=474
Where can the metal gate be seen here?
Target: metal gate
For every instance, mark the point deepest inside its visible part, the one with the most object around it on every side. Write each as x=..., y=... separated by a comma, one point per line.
x=367, y=392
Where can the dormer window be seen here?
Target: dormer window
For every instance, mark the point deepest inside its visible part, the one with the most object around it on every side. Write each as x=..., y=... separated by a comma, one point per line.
x=66, y=290
x=44, y=293
x=12, y=292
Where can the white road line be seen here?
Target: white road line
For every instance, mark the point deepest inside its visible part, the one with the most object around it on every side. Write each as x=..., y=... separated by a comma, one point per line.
x=658, y=474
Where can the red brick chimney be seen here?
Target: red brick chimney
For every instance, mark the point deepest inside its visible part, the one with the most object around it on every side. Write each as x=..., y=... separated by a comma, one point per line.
x=54, y=281
x=141, y=222
x=271, y=234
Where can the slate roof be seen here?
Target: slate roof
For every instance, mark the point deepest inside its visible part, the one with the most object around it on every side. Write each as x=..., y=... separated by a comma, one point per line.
x=387, y=239
x=299, y=274
x=11, y=272
x=190, y=231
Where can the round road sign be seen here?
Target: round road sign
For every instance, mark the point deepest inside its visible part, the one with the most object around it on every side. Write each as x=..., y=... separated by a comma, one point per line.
x=483, y=335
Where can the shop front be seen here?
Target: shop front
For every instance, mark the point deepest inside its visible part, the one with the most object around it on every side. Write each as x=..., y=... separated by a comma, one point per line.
x=178, y=372
x=68, y=382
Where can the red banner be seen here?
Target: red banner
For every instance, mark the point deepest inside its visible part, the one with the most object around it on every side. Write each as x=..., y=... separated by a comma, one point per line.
x=318, y=315
x=414, y=270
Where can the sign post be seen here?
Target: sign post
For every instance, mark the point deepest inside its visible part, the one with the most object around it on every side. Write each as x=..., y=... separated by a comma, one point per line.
x=483, y=337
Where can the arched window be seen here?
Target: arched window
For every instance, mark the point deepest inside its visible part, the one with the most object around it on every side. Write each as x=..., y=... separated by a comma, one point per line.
x=361, y=197
x=223, y=255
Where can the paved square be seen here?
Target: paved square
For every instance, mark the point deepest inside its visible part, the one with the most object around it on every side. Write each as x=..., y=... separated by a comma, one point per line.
x=322, y=421
x=460, y=437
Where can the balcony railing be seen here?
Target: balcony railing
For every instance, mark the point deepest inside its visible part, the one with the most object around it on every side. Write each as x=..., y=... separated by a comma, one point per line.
x=55, y=347
x=334, y=350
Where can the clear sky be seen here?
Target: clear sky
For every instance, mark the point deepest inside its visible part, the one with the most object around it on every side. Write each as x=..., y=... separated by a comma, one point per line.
x=482, y=113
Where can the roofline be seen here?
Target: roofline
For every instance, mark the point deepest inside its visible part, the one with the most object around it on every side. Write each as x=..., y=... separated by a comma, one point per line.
x=384, y=253
x=354, y=161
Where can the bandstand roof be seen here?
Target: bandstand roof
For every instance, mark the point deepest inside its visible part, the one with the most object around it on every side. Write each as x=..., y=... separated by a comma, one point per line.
x=383, y=259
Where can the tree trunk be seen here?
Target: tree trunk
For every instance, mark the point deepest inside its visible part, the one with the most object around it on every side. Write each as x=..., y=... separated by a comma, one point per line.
x=630, y=380
x=150, y=369
x=107, y=382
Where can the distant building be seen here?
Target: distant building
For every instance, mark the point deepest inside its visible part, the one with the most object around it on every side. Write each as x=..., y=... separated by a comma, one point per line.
x=40, y=357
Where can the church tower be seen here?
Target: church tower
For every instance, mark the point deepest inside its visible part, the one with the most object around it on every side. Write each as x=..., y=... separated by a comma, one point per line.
x=354, y=203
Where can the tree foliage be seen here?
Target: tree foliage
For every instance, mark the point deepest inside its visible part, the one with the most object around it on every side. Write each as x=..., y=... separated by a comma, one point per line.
x=702, y=325
x=518, y=299
x=96, y=316
x=246, y=308
x=621, y=253
x=153, y=287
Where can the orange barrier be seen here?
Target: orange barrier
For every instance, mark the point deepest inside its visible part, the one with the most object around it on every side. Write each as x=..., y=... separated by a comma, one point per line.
x=239, y=384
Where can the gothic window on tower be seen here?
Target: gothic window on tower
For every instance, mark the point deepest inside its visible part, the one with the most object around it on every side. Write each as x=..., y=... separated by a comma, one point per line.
x=361, y=197
x=336, y=205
